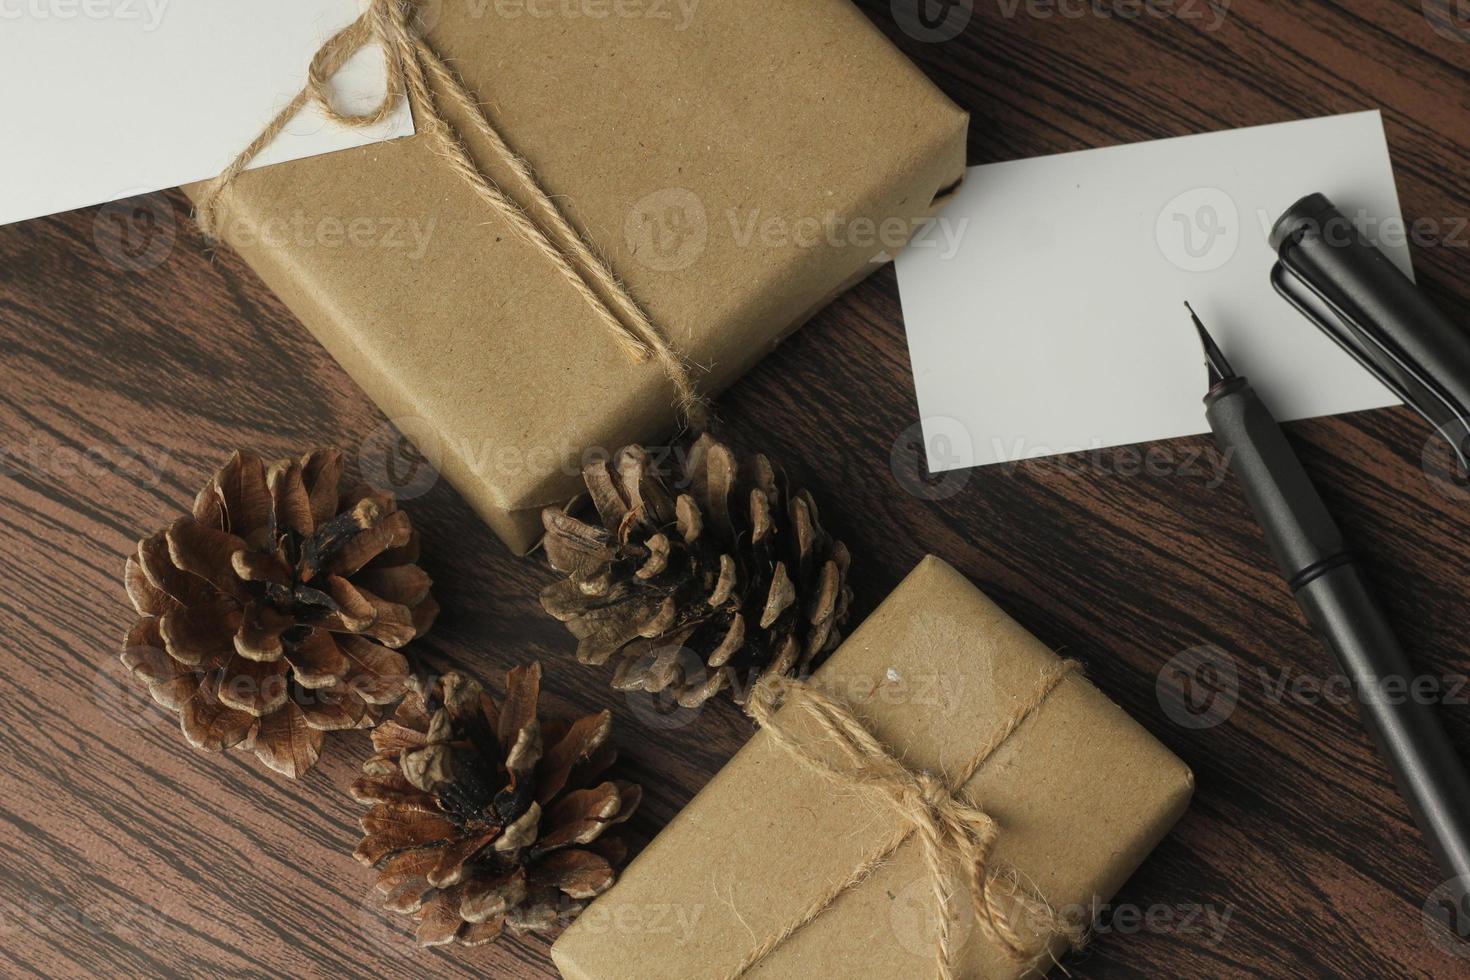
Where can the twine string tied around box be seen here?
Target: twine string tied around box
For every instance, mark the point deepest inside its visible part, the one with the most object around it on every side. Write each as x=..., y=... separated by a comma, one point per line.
x=410, y=63
x=953, y=833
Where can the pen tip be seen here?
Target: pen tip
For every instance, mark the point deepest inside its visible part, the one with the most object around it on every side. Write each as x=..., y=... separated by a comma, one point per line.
x=1214, y=357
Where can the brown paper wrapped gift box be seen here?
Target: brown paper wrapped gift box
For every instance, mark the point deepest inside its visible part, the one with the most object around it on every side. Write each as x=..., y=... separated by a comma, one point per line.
x=706, y=158
x=1080, y=791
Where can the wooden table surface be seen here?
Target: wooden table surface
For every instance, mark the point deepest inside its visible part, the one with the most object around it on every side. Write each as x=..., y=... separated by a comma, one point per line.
x=126, y=382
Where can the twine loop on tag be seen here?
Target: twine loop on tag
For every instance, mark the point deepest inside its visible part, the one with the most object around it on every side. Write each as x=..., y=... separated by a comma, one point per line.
x=955, y=834
x=410, y=65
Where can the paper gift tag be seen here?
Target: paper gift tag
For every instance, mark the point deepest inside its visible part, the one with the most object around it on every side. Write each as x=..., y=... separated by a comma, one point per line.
x=106, y=99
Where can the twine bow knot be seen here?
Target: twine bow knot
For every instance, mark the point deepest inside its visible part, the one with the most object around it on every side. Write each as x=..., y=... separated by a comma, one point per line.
x=955, y=835
x=413, y=67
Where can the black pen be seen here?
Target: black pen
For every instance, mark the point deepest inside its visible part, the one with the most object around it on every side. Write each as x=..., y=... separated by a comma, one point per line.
x=1330, y=588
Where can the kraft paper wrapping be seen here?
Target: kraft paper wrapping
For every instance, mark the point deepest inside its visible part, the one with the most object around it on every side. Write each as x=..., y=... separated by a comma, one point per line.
x=704, y=155
x=1081, y=792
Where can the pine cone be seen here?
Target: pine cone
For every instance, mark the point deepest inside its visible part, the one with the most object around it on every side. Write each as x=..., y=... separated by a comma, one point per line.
x=474, y=828
x=735, y=569
x=270, y=611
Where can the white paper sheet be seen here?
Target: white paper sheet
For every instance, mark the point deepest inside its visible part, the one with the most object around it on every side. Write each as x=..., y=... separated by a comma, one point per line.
x=1056, y=323
x=105, y=99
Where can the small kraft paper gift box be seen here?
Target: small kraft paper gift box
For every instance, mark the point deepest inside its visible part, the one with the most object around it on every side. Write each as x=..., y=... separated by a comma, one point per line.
x=732, y=165
x=945, y=797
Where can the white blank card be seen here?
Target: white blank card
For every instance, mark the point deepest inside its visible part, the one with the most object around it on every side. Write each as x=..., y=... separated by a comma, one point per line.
x=106, y=99
x=1045, y=310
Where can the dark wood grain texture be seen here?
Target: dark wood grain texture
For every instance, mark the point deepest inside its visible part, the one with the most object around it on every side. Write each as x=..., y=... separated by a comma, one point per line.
x=127, y=853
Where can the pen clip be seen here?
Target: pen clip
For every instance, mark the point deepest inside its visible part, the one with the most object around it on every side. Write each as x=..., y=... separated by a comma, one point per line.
x=1382, y=359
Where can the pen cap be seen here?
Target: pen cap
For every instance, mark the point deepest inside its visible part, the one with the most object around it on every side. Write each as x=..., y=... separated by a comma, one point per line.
x=1340, y=280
